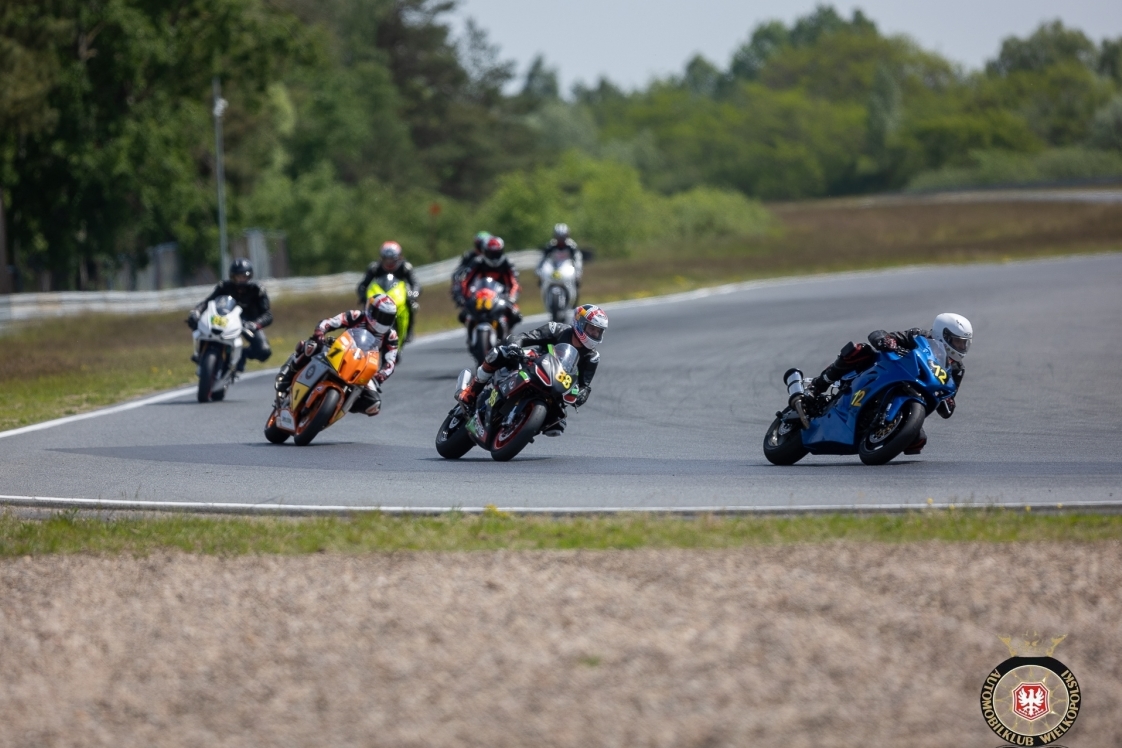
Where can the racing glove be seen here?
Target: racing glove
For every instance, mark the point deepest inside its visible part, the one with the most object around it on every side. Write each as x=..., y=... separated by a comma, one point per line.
x=251, y=326
x=946, y=408
x=582, y=396
x=311, y=346
x=512, y=352
x=193, y=320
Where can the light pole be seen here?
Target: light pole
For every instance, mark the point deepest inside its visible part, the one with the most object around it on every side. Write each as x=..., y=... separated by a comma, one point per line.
x=220, y=105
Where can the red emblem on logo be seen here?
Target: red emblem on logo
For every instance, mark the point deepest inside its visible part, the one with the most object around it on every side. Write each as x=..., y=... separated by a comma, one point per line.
x=1030, y=700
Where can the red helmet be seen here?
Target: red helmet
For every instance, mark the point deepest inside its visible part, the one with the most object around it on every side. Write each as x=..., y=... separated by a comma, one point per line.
x=493, y=251
x=391, y=255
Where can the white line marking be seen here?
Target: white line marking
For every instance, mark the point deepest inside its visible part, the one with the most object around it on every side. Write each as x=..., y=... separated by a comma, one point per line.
x=234, y=508
x=163, y=396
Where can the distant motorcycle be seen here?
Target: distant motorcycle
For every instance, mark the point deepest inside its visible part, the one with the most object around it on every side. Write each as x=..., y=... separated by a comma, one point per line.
x=488, y=316
x=559, y=287
x=512, y=408
x=326, y=388
x=396, y=289
x=877, y=413
x=218, y=347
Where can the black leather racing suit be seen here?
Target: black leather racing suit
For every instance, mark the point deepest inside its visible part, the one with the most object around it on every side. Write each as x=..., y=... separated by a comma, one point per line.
x=551, y=333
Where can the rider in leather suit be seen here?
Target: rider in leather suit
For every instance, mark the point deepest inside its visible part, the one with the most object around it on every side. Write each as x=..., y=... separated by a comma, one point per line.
x=587, y=331
x=379, y=318
x=949, y=337
x=391, y=260
x=253, y=300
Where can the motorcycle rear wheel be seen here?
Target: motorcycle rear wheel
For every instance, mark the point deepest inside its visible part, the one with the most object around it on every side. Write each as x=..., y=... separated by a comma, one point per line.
x=783, y=447
x=453, y=442
x=325, y=411
x=879, y=446
x=208, y=372
x=513, y=439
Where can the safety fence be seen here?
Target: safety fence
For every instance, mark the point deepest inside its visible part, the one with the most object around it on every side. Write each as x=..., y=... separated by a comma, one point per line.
x=25, y=306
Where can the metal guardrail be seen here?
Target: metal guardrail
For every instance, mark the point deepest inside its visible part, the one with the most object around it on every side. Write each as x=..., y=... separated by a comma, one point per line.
x=24, y=306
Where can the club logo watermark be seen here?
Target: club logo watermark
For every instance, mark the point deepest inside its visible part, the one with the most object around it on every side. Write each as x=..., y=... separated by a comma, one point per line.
x=1031, y=698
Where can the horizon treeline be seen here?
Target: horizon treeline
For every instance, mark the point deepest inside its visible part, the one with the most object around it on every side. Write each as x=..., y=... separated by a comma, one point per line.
x=354, y=121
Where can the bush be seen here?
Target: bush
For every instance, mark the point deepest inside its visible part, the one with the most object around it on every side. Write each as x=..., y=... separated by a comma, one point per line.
x=990, y=168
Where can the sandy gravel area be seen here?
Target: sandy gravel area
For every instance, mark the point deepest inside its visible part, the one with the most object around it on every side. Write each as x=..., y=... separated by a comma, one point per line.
x=824, y=645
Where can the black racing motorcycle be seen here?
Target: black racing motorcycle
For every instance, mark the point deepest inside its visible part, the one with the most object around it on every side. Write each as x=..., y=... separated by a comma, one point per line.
x=512, y=408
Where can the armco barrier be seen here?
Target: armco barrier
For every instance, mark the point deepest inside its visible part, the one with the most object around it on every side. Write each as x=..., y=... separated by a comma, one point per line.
x=24, y=306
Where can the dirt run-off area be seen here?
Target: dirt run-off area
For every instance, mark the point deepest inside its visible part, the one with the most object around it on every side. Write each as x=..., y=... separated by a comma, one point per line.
x=836, y=644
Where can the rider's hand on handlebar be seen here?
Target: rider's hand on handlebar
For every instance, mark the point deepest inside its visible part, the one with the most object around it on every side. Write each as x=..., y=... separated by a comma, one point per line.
x=251, y=326
x=883, y=342
x=582, y=396
x=512, y=351
x=193, y=320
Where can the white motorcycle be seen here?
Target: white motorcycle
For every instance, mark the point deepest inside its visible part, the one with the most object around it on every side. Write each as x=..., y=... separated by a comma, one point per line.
x=559, y=287
x=218, y=347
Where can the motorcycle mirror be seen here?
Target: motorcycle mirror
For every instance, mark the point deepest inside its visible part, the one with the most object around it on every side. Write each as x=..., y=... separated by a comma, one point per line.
x=588, y=254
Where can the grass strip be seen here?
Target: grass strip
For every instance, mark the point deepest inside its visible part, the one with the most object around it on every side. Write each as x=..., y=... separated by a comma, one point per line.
x=67, y=532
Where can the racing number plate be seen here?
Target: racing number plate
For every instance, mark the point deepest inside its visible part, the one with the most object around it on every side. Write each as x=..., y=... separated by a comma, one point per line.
x=565, y=380
x=286, y=421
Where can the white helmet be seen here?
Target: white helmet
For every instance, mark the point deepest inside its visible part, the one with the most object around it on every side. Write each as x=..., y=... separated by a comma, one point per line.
x=954, y=330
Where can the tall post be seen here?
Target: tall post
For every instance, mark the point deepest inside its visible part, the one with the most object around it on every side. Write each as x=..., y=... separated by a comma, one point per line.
x=5, y=271
x=223, y=250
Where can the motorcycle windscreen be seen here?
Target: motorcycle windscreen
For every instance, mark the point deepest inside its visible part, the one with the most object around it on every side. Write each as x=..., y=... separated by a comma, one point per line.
x=224, y=304
x=568, y=357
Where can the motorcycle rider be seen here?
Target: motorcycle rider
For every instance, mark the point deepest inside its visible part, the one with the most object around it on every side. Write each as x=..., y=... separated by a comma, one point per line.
x=392, y=260
x=378, y=317
x=561, y=247
x=949, y=338
x=461, y=272
x=493, y=263
x=253, y=300
x=590, y=322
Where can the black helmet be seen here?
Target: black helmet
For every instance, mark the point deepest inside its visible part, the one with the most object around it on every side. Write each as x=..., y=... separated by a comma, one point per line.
x=240, y=267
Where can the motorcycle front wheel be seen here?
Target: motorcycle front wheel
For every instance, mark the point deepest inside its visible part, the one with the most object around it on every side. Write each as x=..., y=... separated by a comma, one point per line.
x=453, y=440
x=513, y=439
x=783, y=443
x=273, y=433
x=318, y=421
x=208, y=372
x=886, y=441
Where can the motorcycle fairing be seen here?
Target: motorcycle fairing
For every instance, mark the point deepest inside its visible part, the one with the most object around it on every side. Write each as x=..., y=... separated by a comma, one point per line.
x=316, y=369
x=900, y=377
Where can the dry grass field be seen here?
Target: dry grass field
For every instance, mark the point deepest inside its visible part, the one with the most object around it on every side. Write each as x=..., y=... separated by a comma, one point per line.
x=819, y=645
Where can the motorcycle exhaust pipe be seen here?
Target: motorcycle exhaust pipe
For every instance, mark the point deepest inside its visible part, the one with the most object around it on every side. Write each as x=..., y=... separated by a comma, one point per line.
x=794, y=381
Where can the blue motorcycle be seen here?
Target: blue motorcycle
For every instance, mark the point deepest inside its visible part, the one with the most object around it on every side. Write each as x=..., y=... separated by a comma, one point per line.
x=876, y=413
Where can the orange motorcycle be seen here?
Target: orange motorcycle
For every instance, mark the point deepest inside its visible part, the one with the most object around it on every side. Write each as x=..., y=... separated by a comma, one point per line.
x=326, y=388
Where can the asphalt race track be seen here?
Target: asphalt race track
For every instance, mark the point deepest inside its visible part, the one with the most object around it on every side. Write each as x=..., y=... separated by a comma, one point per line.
x=685, y=391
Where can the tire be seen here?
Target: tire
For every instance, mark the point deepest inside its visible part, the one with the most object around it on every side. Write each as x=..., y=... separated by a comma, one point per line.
x=783, y=447
x=878, y=447
x=455, y=442
x=521, y=433
x=218, y=395
x=208, y=371
x=325, y=411
x=274, y=434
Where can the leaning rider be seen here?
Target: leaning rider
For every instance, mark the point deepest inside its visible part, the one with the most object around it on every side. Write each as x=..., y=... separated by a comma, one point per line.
x=253, y=300
x=590, y=322
x=949, y=338
x=392, y=260
x=378, y=318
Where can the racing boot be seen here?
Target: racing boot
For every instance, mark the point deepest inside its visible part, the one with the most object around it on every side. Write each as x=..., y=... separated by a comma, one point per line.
x=919, y=444
x=284, y=377
x=469, y=396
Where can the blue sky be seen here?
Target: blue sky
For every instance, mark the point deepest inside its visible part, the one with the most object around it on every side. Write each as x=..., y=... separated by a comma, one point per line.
x=631, y=41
